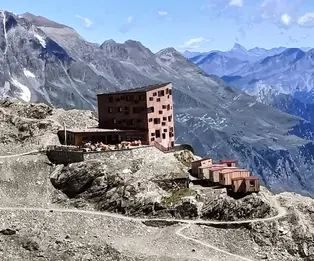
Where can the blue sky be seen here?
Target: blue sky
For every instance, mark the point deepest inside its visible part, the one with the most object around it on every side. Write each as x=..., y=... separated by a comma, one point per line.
x=195, y=25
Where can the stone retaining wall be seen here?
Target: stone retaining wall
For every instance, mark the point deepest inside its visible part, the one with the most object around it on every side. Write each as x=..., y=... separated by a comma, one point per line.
x=65, y=157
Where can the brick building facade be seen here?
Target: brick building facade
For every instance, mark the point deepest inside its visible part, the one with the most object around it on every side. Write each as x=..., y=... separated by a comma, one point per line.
x=148, y=110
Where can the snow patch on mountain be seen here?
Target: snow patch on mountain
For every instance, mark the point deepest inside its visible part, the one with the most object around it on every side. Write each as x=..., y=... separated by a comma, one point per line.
x=28, y=74
x=25, y=94
x=41, y=40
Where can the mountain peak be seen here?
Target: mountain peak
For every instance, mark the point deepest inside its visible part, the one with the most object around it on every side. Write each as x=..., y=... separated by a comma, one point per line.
x=41, y=21
x=238, y=47
x=168, y=50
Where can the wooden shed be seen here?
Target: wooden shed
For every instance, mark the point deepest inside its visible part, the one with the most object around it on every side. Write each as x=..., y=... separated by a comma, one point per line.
x=252, y=184
x=204, y=172
x=215, y=170
x=228, y=162
x=226, y=175
x=200, y=163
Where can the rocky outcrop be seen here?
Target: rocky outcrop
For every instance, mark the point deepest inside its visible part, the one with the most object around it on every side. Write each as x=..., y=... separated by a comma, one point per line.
x=227, y=208
x=132, y=189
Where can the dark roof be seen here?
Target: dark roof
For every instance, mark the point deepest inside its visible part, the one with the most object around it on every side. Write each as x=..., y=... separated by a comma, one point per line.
x=140, y=89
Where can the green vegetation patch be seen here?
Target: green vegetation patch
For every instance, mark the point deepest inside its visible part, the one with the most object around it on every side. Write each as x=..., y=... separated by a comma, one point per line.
x=177, y=195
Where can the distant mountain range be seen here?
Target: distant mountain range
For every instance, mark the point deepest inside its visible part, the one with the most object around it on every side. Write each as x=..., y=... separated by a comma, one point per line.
x=44, y=61
x=281, y=77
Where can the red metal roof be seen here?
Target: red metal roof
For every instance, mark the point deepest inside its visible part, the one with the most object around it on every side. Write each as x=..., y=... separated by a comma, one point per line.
x=237, y=178
x=195, y=161
x=251, y=178
x=228, y=161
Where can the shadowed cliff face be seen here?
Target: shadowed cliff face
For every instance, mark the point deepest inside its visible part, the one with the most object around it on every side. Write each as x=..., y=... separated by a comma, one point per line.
x=46, y=62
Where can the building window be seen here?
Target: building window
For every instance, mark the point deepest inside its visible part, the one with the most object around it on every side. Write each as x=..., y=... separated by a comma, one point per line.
x=158, y=100
x=160, y=112
x=252, y=183
x=171, y=134
x=122, y=98
x=110, y=110
x=165, y=130
x=126, y=108
x=161, y=93
x=117, y=99
x=152, y=134
x=150, y=119
x=163, y=123
x=168, y=107
x=157, y=133
x=170, y=91
x=155, y=94
x=136, y=101
x=167, y=91
x=164, y=106
x=126, y=113
x=152, y=139
x=156, y=121
x=129, y=97
x=171, y=129
x=142, y=97
x=150, y=109
x=169, y=118
x=114, y=121
x=110, y=99
x=164, y=135
x=151, y=98
x=120, y=109
x=138, y=120
x=131, y=122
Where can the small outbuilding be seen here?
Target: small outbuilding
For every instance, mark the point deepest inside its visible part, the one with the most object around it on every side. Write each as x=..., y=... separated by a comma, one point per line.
x=228, y=162
x=200, y=163
x=226, y=175
x=245, y=184
x=215, y=170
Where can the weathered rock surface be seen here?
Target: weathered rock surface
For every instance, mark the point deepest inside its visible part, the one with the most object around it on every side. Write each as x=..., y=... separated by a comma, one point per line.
x=132, y=186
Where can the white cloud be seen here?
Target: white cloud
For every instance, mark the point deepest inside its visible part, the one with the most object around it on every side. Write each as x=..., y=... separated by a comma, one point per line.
x=285, y=19
x=238, y=3
x=162, y=13
x=195, y=43
x=130, y=19
x=87, y=22
x=306, y=20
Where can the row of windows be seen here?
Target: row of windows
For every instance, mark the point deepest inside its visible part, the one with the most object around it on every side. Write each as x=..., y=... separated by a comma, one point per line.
x=129, y=121
x=158, y=120
x=162, y=92
x=140, y=97
x=126, y=110
x=152, y=109
x=157, y=134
